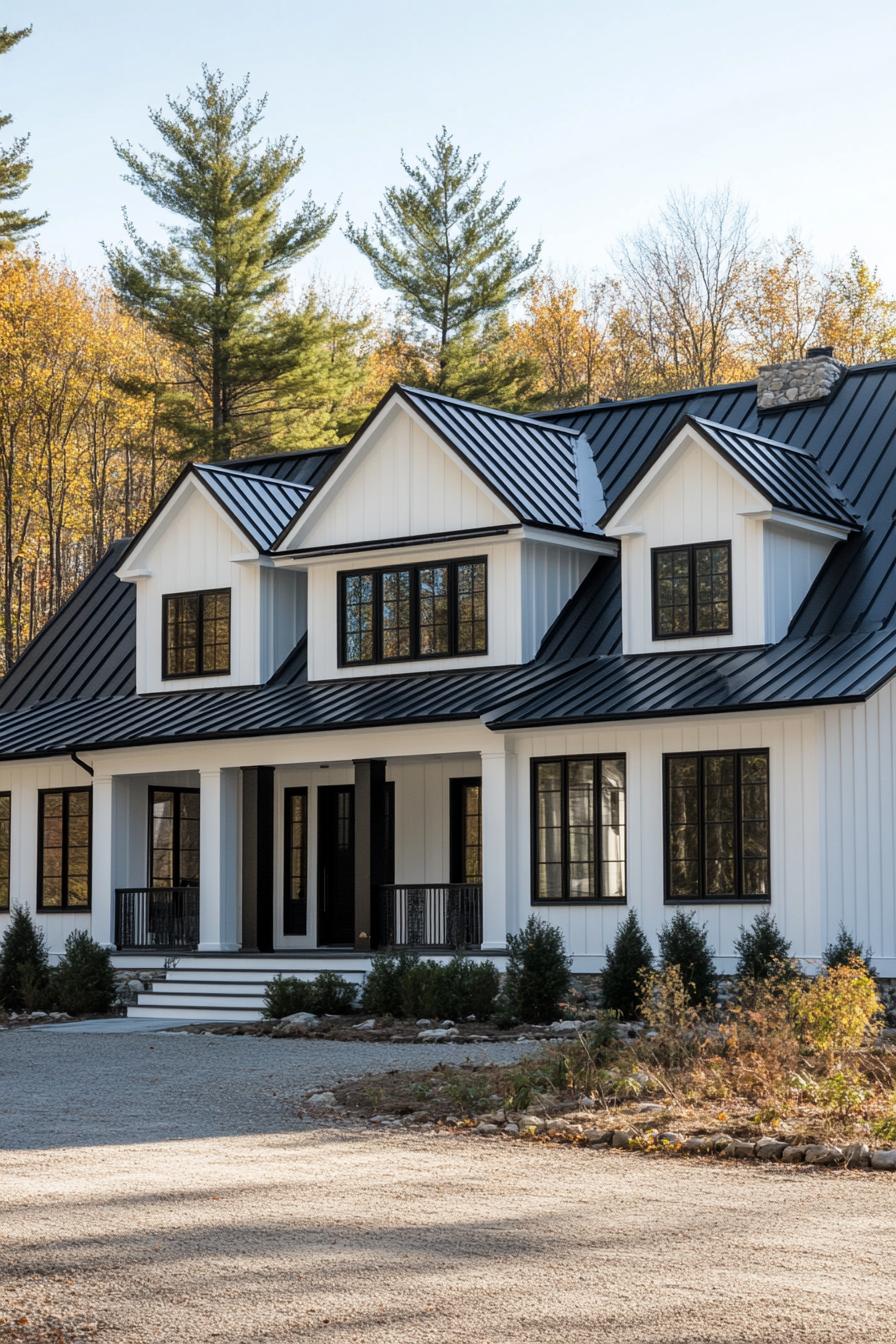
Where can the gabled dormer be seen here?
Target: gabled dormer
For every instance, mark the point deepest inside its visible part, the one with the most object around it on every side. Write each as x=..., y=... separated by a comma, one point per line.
x=448, y=536
x=722, y=534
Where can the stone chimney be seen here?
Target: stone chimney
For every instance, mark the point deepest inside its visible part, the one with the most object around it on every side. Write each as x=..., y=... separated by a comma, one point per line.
x=799, y=380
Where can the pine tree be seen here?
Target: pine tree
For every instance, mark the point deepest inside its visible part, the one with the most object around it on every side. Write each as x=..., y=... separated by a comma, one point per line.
x=15, y=168
x=683, y=943
x=24, y=965
x=446, y=248
x=628, y=961
x=763, y=953
x=216, y=290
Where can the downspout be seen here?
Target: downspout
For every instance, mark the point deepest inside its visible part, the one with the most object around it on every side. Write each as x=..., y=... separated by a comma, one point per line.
x=83, y=764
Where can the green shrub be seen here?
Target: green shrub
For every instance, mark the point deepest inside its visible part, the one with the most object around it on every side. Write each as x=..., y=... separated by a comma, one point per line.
x=332, y=993
x=538, y=973
x=24, y=965
x=763, y=952
x=285, y=995
x=382, y=992
x=83, y=981
x=466, y=988
x=629, y=960
x=846, y=949
x=683, y=943
x=420, y=990
x=838, y=1011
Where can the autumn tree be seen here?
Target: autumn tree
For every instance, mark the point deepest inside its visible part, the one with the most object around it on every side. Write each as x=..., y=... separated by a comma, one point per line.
x=15, y=169
x=860, y=318
x=445, y=247
x=783, y=302
x=217, y=289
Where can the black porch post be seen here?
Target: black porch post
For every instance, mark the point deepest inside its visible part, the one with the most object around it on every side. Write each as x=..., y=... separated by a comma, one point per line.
x=258, y=857
x=370, y=834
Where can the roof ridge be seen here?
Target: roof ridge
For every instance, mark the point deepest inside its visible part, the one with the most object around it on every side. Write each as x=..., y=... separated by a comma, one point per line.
x=486, y=410
x=758, y=438
x=250, y=475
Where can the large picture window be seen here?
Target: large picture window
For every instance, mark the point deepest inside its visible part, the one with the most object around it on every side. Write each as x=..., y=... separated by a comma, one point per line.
x=434, y=610
x=196, y=633
x=63, y=849
x=692, y=590
x=717, y=826
x=173, y=837
x=578, y=829
x=5, y=847
x=295, y=862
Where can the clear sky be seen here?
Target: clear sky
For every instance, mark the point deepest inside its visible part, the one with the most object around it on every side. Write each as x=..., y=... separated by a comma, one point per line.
x=591, y=112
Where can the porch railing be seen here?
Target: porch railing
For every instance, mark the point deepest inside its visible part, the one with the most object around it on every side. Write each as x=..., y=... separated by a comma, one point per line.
x=161, y=918
x=431, y=915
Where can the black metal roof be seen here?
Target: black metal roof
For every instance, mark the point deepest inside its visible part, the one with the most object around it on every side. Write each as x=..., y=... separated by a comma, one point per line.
x=260, y=505
x=841, y=644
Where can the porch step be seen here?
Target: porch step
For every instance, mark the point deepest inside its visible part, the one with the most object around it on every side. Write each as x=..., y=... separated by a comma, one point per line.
x=201, y=1000
x=231, y=989
x=191, y=1015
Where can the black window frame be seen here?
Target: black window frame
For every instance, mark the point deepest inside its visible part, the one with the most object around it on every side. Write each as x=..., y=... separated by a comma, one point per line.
x=691, y=548
x=198, y=593
x=64, y=905
x=415, y=568
x=739, y=898
x=176, y=819
x=565, y=760
x=5, y=850
x=459, y=787
x=297, y=908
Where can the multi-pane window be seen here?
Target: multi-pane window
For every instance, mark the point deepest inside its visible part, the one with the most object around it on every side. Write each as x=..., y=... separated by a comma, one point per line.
x=466, y=830
x=717, y=826
x=692, y=590
x=578, y=828
x=196, y=633
x=413, y=611
x=63, y=849
x=5, y=845
x=295, y=867
x=174, y=837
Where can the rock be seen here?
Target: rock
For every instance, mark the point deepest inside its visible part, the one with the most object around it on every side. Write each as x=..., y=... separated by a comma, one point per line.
x=511, y=1128
x=794, y=1152
x=300, y=1020
x=59, y=1017
x=135, y=986
x=568, y=1024
x=770, y=1150
x=446, y=1023
x=366, y=1026
x=530, y=1122
x=586, y=1103
x=646, y=1106
x=485, y=1128
x=671, y=1139
x=698, y=1143
x=857, y=1155
x=451, y=1120
x=622, y=1138
x=321, y=1101
x=471, y=1017
x=436, y=1034
x=740, y=1148
x=884, y=1159
x=37, y=1016
x=424, y=1021
x=823, y=1155
x=598, y=1138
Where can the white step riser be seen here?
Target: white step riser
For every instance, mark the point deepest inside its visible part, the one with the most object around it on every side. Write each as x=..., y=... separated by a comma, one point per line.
x=252, y=991
x=199, y=1002
x=196, y=1014
x=273, y=965
x=197, y=975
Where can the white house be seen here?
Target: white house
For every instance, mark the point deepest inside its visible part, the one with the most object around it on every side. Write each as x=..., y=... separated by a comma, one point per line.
x=471, y=665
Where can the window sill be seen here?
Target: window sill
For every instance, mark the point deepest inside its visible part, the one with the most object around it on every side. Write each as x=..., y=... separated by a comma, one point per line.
x=59, y=910
x=577, y=901
x=717, y=900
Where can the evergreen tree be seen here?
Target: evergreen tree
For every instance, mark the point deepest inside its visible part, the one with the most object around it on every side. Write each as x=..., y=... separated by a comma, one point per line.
x=628, y=961
x=845, y=949
x=763, y=953
x=216, y=289
x=83, y=981
x=683, y=943
x=15, y=167
x=538, y=973
x=24, y=965
x=446, y=248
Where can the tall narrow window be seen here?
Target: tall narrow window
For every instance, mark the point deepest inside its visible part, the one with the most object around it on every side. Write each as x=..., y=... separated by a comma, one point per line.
x=174, y=837
x=717, y=826
x=5, y=847
x=295, y=866
x=692, y=590
x=415, y=611
x=196, y=632
x=358, y=618
x=63, y=854
x=433, y=611
x=578, y=829
x=466, y=830
x=395, y=608
x=471, y=613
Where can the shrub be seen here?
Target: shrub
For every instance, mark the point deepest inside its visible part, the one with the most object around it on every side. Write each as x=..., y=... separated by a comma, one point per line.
x=467, y=988
x=763, y=952
x=845, y=949
x=683, y=943
x=668, y=1010
x=285, y=995
x=382, y=992
x=628, y=960
x=420, y=990
x=538, y=972
x=837, y=1011
x=24, y=965
x=332, y=993
x=84, y=981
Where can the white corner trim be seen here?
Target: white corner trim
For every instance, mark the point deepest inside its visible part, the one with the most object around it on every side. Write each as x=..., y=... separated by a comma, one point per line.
x=797, y=522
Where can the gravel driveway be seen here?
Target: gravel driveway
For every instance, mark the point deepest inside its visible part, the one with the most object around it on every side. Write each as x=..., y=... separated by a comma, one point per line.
x=160, y=1187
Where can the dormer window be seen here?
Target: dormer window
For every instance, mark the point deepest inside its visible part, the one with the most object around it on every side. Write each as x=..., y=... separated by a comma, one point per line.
x=430, y=610
x=691, y=590
x=196, y=629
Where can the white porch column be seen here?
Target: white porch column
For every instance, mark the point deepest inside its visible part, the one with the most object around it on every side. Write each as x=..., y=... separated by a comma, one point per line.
x=498, y=836
x=109, y=828
x=219, y=856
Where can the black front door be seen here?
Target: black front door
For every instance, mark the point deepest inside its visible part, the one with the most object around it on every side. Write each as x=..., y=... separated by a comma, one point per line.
x=336, y=865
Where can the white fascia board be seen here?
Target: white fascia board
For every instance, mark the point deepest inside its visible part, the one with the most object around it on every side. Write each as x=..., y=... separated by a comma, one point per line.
x=797, y=522
x=169, y=510
x=585, y=541
x=395, y=406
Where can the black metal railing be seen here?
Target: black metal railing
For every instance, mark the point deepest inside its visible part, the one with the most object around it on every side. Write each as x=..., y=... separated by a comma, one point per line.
x=161, y=918
x=431, y=915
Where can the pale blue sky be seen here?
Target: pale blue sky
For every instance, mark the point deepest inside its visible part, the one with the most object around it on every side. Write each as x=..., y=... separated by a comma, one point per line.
x=592, y=112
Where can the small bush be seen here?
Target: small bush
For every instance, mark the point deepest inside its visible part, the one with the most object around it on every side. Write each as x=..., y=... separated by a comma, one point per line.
x=467, y=988
x=538, y=972
x=763, y=953
x=285, y=995
x=24, y=965
x=683, y=943
x=628, y=960
x=845, y=949
x=420, y=990
x=382, y=993
x=83, y=981
x=838, y=1011
x=332, y=993
x=668, y=1009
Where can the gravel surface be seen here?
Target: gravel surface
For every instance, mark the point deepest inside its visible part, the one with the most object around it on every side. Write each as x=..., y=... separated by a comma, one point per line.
x=160, y=1189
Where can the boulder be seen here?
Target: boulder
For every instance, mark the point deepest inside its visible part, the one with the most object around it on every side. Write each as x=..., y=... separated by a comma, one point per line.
x=485, y=1128
x=823, y=1155
x=321, y=1101
x=857, y=1155
x=300, y=1020
x=511, y=1128
x=884, y=1159
x=622, y=1138
x=794, y=1152
x=366, y=1026
x=670, y=1138
x=740, y=1148
x=436, y=1034
x=770, y=1150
